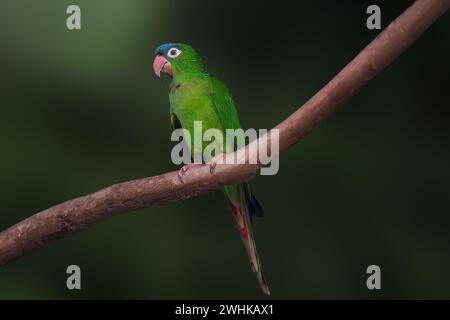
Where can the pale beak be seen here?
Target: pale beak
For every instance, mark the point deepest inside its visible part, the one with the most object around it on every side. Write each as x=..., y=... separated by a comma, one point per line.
x=160, y=64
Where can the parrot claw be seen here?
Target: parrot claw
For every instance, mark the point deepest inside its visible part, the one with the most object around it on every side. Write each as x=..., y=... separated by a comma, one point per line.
x=220, y=158
x=184, y=169
x=212, y=167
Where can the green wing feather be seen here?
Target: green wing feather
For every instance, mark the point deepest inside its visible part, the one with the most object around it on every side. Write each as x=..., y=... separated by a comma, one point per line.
x=224, y=104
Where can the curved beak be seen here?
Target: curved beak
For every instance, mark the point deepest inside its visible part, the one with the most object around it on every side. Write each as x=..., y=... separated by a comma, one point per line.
x=160, y=64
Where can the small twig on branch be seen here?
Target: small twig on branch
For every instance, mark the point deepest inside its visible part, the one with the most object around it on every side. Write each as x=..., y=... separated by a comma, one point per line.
x=77, y=214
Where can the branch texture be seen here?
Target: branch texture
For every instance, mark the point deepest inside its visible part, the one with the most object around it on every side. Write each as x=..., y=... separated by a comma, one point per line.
x=77, y=214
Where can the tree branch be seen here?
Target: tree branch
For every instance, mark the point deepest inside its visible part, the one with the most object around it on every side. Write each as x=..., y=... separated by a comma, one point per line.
x=77, y=214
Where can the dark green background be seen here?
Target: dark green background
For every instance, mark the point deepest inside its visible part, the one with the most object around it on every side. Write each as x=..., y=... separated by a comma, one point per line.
x=81, y=110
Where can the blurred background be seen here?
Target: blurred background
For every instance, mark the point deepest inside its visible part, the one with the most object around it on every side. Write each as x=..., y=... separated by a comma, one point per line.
x=81, y=110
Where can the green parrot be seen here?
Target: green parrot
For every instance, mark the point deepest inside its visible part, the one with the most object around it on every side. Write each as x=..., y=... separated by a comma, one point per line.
x=196, y=96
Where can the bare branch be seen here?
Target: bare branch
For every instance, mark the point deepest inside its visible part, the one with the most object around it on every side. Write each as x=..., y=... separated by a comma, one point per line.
x=77, y=214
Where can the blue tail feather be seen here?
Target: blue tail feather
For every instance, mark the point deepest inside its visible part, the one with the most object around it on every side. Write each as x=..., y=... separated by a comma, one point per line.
x=254, y=208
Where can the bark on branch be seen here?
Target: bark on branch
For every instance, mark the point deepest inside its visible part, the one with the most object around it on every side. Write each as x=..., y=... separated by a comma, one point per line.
x=77, y=214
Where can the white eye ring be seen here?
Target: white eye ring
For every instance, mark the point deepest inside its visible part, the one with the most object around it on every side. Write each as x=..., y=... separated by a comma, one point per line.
x=173, y=53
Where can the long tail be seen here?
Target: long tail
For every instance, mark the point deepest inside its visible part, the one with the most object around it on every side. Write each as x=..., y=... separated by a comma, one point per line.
x=243, y=205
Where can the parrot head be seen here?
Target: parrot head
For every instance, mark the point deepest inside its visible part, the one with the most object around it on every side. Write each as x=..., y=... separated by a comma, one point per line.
x=177, y=59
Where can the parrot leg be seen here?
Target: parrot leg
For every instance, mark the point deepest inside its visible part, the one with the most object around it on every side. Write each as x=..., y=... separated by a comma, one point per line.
x=184, y=169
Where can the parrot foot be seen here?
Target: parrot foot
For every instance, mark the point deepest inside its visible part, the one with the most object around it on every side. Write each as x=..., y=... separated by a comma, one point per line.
x=219, y=159
x=184, y=169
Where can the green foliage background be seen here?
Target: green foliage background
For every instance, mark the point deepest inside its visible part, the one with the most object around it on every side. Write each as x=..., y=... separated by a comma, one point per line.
x=82, y=110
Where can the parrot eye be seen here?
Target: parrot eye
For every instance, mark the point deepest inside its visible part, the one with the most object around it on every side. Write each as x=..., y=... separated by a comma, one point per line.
x=173, y=53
